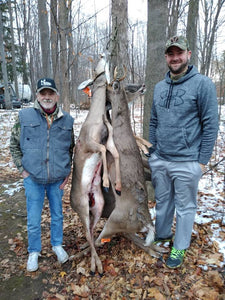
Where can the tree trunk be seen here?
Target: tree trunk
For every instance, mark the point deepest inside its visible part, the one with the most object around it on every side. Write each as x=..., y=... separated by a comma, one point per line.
x=13, y=51
x=8, y=103
x=45, y=43
x=22, y=37
x=71, y=55
x=193, y=15
x=173, y=15
x=156, y=67
x=119, y=39
x=64, y=70
x=54, y=41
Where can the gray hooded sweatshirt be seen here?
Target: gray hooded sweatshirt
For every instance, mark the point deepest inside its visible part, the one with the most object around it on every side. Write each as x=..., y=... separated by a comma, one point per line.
x=184, y=118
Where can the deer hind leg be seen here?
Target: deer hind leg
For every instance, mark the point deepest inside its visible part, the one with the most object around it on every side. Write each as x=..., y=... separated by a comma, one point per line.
x=110, y=146
x=88, y=227
x=96, y=203
x=143, y=144
x=95, y=260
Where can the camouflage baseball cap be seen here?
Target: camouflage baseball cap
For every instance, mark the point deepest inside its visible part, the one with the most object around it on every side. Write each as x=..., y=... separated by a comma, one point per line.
x=178, y=41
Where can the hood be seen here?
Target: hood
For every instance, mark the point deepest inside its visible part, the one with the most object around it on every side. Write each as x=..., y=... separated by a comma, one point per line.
x=192, y=71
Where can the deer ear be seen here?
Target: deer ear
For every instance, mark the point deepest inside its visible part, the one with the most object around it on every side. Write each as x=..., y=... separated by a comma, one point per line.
x=85, y=83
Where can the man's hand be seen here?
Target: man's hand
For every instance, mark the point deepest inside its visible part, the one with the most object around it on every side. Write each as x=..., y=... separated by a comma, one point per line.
x=25, y=174
x=64, y=183
x=203, y=168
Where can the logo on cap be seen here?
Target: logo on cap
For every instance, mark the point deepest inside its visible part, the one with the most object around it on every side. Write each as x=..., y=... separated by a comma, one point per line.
x=178, y=41
x=46, y=83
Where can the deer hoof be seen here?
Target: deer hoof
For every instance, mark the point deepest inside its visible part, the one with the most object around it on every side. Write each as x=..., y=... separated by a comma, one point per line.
x=106, y=189
x=101, y=274
x=92, y=273
x=118, y=192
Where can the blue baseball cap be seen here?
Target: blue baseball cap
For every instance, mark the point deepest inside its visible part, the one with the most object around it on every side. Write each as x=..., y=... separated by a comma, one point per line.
x=46, y=83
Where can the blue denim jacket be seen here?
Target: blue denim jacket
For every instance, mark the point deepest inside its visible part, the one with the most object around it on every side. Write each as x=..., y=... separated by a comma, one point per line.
x=184, y=118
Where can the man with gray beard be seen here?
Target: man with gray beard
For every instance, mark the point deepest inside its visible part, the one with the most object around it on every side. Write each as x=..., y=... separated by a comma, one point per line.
x=41, y=146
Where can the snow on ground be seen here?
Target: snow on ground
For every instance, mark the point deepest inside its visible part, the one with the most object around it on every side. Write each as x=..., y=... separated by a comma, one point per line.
x=211, y=199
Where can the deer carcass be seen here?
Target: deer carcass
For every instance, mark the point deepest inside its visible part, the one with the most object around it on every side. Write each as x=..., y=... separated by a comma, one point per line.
x=131, y=213
x=89, y=156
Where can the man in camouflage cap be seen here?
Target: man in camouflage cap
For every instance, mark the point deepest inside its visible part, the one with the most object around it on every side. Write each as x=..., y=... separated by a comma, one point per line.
x=183, y=129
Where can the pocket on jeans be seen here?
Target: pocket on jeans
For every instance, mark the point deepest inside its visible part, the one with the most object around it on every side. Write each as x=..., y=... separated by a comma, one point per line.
x=26, y=180
x=199, y=167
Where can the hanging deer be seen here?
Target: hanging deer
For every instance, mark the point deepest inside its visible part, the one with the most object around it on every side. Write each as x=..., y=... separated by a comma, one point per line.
x=127, y=211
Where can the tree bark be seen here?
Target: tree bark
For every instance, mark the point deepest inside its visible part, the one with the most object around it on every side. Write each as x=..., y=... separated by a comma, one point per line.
x=8, y=103
x=54, y=41
x=156, y=67
x=45, y=39
x=119, y=38
x=64, y=70
x=193, y=15
x=13, y=51
x=173, y=15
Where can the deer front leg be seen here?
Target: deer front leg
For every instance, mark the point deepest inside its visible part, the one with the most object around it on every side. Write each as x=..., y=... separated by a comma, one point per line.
x=153, y=250
x=110, y=146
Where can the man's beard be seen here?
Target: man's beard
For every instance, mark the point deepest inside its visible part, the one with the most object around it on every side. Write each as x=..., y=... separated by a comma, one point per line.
x=47, y=104
x=180, y=70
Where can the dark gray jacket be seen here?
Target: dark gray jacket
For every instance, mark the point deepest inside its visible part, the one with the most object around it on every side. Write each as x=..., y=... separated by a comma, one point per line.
x=184, y=118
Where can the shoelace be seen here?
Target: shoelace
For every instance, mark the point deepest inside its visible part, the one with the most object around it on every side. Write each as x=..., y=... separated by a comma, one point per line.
x=177, y=253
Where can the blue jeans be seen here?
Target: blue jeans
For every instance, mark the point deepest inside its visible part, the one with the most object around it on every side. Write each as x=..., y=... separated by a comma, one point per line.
x=35, y=195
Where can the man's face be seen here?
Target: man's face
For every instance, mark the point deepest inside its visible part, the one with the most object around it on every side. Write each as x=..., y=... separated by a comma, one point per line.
x=177, y=59
x=47, y=98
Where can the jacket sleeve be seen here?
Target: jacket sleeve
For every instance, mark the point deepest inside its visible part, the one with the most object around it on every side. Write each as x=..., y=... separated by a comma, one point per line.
x=72, y=146
x=15, y=145
x=153, y=126
x=208, y=111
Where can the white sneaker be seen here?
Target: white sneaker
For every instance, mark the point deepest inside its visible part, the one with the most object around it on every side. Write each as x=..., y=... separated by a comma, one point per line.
x=62, y=256
x=32, y=262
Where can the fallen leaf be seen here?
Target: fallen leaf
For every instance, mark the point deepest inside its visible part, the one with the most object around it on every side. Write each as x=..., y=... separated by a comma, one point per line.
x=153, y=292
x=82, y=291
x=61, y=297
x=215, y=279
x=207, y=293
x=62, y=274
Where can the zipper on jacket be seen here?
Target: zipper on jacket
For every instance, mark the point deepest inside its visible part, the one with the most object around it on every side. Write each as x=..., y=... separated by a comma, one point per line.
x=47, y=158
x=169, y=96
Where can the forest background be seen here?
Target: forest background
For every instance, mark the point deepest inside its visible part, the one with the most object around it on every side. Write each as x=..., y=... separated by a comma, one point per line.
x=63, y=39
